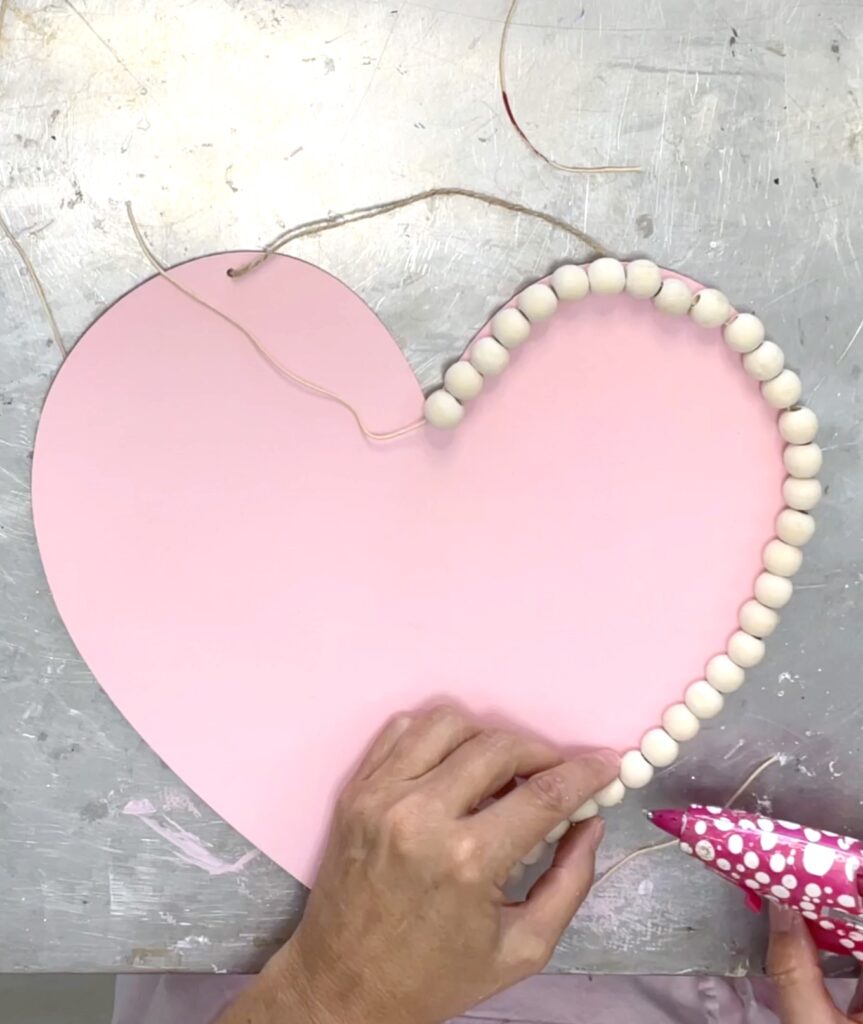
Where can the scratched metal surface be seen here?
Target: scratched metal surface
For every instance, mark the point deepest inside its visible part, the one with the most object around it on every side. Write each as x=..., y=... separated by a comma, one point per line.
x=224, y=121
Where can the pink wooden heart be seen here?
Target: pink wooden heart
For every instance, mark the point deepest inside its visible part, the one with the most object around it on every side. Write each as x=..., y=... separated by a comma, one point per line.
x=257, y=586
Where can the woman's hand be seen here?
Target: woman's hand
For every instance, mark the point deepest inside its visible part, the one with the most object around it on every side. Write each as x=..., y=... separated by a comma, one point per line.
x=792, y=963
x=407, y=922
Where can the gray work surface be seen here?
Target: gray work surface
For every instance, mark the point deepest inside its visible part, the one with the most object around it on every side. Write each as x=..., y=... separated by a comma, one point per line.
x=225, y=121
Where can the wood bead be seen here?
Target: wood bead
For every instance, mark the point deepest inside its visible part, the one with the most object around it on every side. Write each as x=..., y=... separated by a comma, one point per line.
x=557, y=833
x=510, y=327
x=488, y=356
x=702, y=700
x=611, y=795
x=757, y=619
x=803, y=495
x=659, y=748
x=537, y=302
x=773, y=591
x=794, y=527
x=723, y=674
x=803, y=460
x=442, y=410
x=607, y=276
x=783, y=390
x=589, y=809
x=680, y=723
x=798, y=426
x=635, y=770
x=710, y=308
x=463, y=381
x=674, y=297
x=766, y=362
x=570, y=283
x=782, y=559
x=643, y=279
x=745, y=650
x=535, y=853
x=744, y=334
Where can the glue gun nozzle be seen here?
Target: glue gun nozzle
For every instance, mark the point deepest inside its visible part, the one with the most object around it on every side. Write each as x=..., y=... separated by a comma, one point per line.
x=669, y=821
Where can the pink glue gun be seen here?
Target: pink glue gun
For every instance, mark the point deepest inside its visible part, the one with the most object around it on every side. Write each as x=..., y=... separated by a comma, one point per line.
x=816, y=872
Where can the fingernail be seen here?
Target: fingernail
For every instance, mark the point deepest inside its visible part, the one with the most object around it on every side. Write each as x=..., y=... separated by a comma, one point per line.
x=781, y=918
x=595, y=832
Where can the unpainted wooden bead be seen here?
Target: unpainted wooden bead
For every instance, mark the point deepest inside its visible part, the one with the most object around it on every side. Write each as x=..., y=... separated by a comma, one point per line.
x=744, y=334
x=782, y=559
x=680, y=723
x=757, y=619
x=643, y=279
x=607, y=276
x=589, y=809
x=442, y=410
x=702, y=700
x=488, y=356
x=747, y=651
x=537, y=302
x=535, y=853
x=635, y=770
x=772, y=590
x=798, y=426
x=659, y=748
x=803, y=460
x=510, y=327
x=766, y=362
x=557, y=833
x=784, y=390
x=611, y=795
x=570, y=282
x=674, y=297
x=803, y=495
x=794, y=527
x=463, y=381
x=723, y=674
x=710, y=308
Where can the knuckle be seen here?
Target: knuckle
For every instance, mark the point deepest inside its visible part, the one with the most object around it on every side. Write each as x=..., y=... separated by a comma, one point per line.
x=445, y=714
x=498, y=741
x=549, y=791
x=400, y=822
x=466, y=858
x=534, y=953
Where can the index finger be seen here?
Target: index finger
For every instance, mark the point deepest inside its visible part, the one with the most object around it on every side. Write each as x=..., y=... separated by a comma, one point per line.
x=792, y=963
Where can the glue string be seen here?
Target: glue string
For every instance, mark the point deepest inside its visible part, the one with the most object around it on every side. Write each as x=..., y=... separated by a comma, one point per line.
x=667, y=844
x=336, y=220
x=34, y=278
x=507, y=106
x=260, y=348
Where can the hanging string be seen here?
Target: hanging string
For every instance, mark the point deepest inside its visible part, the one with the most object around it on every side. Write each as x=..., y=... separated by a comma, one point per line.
x=668, y=843
x=337, y=220
x=275, y=363
x=507, y=106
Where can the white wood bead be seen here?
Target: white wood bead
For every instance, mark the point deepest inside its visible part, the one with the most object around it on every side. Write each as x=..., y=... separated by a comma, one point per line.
x=463, y=381
x=782, y=559
x=747, y=651
x=772, y=590
x=680, y=723
x=589, y=809
x=635, y=770
x=744, y=334
x=803, y=460
x=702, y=700
x=766, y=362
x=643, y=279
x=534, y=854
x=488, y=356
x=659, y=748
x=794, y=527
x=442, y=410
x=611, y=795
x=710, y=308
x=557, y=833
x=783, y=390
x=674, y=297
x=798, y=426
x=510, y=327
x=537, y=302
x=757, y=619
x=607, y=276
x=570, y=283
x=723, y=674
x=803, y=495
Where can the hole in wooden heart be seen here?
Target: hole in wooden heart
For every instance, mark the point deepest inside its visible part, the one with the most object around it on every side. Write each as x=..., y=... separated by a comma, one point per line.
x=257, y=586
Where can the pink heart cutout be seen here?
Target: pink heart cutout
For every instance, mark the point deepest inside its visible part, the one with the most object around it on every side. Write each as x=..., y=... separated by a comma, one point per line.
x=257, y=586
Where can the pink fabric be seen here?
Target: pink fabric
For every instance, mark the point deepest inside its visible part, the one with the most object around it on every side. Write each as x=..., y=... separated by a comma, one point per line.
x=548, y=999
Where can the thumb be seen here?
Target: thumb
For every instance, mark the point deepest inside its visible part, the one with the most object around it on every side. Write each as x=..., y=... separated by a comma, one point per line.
x=792, y=963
